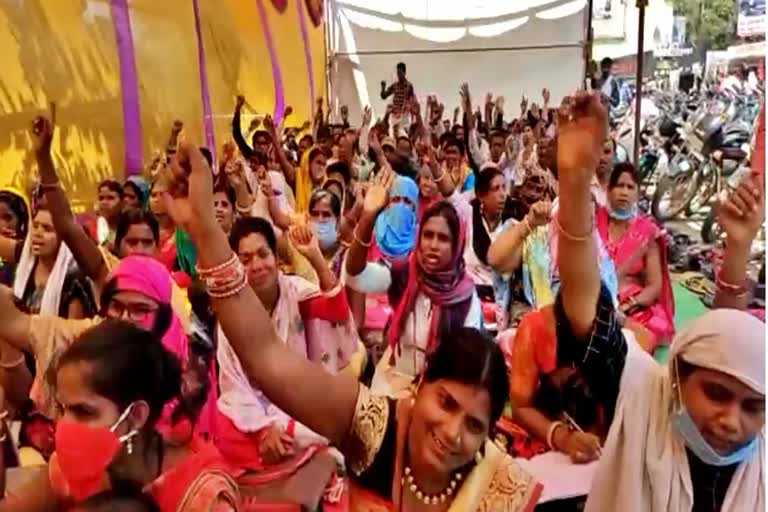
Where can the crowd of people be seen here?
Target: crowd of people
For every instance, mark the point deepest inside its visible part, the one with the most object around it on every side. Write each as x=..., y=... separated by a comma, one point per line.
x=206, y=339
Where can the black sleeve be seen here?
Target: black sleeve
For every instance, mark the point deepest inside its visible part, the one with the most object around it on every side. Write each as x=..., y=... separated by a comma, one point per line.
x=600, y=358
x=237, y=134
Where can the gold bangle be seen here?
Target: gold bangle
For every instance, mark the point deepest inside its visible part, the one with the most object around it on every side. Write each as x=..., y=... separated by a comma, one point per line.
x=442, y=176
x=357, y=239
x=571, y=237
x=526, y=223
x=551, y=433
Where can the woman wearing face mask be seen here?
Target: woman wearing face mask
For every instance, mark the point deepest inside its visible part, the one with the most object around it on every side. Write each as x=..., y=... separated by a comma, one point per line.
x=428, y=451
x=638, y=249
x=106, y=435
x=693, y=430
x=430, y=290
x=141, y=291
x=324, y=215
x=396, y=225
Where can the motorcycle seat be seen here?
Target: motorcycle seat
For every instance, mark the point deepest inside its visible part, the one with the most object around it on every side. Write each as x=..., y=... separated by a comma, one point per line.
x=737, y=154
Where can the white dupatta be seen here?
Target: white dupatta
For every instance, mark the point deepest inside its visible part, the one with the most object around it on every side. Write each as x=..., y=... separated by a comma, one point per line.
x=644, y=465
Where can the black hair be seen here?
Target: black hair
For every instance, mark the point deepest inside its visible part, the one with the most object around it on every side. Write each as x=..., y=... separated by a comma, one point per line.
x=567, y=391
x=114, y=186
x=618, y=170
x=307, y=136
x=497, y=133
x=19, y=208
x=260, y=133
x=484, y=178
x=340, y=168
x=123, y=499
x=471, y=357
x=405, y=138
x=136, y=190
x=132, y=217
x=225, y=188
x=314, y=153
x=320, y=194
x=445, y=210
x=128, y=364
x=207, y=155
x=401, y=66
x=606, y=62
x=323, y=134
x=453, y=141
x=249, y=226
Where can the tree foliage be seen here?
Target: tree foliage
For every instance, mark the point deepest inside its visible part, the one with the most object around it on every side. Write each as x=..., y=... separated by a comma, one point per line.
x=711, y=23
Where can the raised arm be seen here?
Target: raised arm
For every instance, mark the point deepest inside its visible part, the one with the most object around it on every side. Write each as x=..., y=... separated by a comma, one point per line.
x=741, y=217
x=376, y=199
x=305, y=241
x=323, y=402
x=288, y=169
x=386, y=92
x=84, y=249
x=582, y=130
x=237, y=132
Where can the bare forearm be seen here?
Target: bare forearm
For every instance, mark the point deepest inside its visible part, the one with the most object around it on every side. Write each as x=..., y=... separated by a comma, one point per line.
x=84, y=250
x=577, y=256
x=534, y=422
x=506, y=253
x=733, y=271
x=243, y=197
x=358, y=253
x=323, y=402
x=279, y=217
x=325, y=277
x=288, y=169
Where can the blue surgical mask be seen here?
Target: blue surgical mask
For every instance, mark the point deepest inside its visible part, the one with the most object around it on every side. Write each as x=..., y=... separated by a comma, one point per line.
x=700, y=447
x=326, y=233
x=623, y=214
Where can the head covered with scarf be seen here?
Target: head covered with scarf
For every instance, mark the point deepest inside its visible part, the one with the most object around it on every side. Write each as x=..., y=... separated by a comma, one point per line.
x=141, y=187
x=450, y=290
x=645, y=428
x=148, y=277
x=304, y=182
x=396, y=226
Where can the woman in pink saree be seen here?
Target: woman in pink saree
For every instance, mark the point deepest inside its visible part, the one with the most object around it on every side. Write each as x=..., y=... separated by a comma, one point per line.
x=638, y=249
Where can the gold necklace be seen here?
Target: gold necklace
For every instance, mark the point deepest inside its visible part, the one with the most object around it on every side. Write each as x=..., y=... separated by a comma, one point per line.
x=429, y=499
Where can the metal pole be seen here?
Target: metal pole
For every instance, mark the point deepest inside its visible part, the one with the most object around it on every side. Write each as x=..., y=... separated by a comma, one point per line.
x=641, y=4
x=589, y=46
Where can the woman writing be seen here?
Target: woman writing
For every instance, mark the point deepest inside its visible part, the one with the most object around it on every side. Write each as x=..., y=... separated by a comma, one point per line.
x=638, y=249
x=435, y=436
x=106, y=435
x=693, y=430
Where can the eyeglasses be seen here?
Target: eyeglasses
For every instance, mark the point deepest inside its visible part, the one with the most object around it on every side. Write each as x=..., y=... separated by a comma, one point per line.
x=135, y=312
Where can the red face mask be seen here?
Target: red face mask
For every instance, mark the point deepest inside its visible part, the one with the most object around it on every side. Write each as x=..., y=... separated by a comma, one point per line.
x=84, y=453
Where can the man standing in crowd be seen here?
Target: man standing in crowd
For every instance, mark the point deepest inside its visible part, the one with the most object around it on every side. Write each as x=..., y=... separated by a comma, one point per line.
x=403, y=94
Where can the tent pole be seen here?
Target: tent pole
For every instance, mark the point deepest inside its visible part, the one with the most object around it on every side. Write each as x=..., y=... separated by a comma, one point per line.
x=641, y=5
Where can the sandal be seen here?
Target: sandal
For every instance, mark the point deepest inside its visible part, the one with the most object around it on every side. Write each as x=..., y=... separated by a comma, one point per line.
x=699, y=285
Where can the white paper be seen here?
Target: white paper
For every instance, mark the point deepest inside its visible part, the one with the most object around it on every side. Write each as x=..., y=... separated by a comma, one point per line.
x=560, y=477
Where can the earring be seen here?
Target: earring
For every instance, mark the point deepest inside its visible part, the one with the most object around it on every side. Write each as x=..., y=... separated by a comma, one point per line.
x=130, y=446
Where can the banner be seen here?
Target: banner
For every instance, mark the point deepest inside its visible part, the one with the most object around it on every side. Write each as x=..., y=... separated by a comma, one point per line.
x=751, y=20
